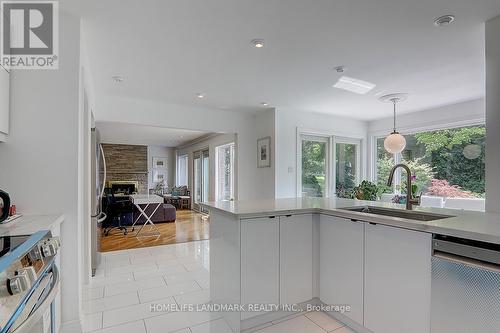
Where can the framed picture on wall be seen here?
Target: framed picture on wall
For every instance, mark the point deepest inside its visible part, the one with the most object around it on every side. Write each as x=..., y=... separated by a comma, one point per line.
x=159, y=175
x=264, y=152
x=160, y=162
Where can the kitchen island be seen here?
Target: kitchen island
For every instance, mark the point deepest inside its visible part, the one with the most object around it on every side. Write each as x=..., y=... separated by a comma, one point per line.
x=374, y=271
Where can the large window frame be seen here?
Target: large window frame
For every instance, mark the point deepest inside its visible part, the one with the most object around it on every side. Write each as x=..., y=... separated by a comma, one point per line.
x=331, y=139
x=374, y=136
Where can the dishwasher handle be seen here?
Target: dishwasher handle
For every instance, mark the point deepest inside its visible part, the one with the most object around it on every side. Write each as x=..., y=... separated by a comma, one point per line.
x=467, y=261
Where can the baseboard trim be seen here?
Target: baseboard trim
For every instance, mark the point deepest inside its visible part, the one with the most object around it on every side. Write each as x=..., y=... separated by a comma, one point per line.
x=257, y=322
x=73, y=326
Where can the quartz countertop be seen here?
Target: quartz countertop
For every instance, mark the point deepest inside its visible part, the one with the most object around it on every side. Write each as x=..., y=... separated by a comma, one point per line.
x=465, y=224
x=29, y=224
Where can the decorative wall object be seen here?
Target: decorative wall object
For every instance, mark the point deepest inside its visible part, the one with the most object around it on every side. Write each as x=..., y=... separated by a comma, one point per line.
x=159, y=162
x=159, y=175
x=264, y=152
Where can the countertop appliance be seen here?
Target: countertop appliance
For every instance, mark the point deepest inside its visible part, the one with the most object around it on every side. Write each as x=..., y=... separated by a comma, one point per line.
x=29, y=283
x=98, y=183
x=4, y=212
x=465, y=286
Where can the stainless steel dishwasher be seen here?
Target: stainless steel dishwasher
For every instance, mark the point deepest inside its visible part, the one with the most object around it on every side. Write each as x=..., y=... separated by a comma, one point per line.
x=465, y=286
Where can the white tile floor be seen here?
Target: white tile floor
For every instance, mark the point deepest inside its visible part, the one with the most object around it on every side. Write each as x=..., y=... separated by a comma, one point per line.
x=127, y=283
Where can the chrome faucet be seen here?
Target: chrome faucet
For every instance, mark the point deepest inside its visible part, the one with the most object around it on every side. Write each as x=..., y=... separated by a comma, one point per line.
x=410, y=201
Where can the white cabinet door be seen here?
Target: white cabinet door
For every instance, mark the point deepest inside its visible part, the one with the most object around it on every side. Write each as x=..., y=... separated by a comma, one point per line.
x=397, y=280
x=259, y=262
x=4, y=101
x=296, y=258
x=341, y=264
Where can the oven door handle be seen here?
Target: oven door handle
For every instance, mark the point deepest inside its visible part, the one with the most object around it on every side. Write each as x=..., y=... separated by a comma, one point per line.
x=37, y=315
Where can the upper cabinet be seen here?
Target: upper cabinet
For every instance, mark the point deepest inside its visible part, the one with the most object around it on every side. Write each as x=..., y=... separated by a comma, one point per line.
x=4, y=103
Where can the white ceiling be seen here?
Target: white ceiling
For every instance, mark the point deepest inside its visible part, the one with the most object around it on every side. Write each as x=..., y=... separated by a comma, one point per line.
x=122, y=133
x=171, y=50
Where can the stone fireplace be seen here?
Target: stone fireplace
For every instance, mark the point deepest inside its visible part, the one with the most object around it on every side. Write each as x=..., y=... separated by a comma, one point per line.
x=127, y=164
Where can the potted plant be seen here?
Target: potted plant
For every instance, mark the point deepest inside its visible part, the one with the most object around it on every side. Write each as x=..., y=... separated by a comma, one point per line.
x=365, y=191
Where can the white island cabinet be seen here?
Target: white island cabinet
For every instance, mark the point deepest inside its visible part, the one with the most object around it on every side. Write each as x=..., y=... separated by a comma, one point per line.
x=259, y=262
x=341, y=264
x=296, y=259
x=397, y=280
x=276, y=260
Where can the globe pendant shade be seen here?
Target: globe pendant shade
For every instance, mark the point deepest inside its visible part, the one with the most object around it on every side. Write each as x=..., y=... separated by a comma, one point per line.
x=395, y=143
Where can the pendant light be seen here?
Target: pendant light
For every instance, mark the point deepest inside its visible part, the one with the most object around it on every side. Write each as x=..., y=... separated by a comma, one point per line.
x=394, y=143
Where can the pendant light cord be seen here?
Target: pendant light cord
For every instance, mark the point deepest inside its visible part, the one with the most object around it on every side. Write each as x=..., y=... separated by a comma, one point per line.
x=394, y=101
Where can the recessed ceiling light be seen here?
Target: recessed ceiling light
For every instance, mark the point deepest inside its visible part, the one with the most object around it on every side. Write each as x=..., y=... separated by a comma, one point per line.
x=200, y=95
x=117, y=79
x=444, y=20
x=340, y=69
x=354, y=85
x=258, y=43
x=264, y=104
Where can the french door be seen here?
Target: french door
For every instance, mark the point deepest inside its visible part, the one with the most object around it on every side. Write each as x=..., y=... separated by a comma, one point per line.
x=201, y=178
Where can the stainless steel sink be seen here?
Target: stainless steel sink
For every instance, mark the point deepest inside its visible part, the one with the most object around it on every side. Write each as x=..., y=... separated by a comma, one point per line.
x=404, y=214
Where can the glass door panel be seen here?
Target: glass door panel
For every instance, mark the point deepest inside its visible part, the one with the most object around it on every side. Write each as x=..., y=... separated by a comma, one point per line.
x=205, y=166
x=225, y=172
x=346, y=168
x=314, y=166
x=197, y=181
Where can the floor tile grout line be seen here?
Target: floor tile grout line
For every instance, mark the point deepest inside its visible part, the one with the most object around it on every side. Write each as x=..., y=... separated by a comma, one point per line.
x=198, y=284
x=316, y=323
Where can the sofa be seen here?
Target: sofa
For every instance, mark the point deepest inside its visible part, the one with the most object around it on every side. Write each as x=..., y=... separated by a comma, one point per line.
x=165, y=213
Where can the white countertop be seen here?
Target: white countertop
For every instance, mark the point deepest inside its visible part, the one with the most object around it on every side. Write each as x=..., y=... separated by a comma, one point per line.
x=140, y=199
x=465, y=224
x=29, y=224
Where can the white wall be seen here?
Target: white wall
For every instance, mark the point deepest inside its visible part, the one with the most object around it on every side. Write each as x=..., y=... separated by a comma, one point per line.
x=211, y=143
x=39, y=163
x=155, y=113
x=493, y=115
x=455, y=115
x=288, y=122
x=265, y=181
x=169, y=154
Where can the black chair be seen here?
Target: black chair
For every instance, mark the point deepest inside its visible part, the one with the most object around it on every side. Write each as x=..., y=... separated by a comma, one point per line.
x=116, y=208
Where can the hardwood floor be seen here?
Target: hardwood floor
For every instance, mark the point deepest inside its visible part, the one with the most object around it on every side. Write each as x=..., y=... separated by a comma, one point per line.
x=189, y=226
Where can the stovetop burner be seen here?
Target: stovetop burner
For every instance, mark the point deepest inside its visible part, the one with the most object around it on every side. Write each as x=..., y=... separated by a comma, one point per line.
x=9, y=243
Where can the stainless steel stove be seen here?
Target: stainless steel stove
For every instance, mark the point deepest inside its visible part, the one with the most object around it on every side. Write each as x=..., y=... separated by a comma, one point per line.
x=29, y=282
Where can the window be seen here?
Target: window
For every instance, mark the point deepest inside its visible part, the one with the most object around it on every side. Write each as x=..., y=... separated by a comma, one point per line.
x=326, y=171
x=182, y=170
x=347, y=166
x=447, y=163
x=225, y=172
x=314, y=153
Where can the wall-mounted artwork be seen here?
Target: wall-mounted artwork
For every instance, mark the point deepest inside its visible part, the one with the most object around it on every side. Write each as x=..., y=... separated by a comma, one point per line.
x=264, y=152
x=159, y=175
x=159, y=162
